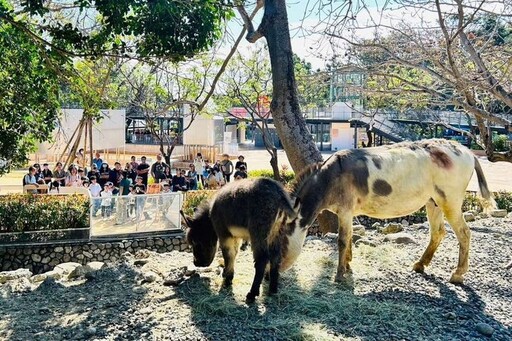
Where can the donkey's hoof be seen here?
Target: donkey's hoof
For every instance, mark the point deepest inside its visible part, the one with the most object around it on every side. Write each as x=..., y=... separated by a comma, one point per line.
x=457, y=279
x=250, y=298
x=418, y=267
x=340, y=278
x=227, y=282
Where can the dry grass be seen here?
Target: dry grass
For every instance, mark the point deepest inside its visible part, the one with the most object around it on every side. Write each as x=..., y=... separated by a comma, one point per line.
x=310, y=306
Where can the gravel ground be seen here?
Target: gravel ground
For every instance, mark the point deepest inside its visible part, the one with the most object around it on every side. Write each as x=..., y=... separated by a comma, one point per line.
x=382, y=300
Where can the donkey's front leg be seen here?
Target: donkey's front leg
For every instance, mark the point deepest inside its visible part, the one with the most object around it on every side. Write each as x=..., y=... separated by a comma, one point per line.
x=344, y=245
x=229, y=248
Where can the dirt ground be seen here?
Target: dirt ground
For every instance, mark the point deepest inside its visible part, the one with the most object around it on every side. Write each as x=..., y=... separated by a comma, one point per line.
x=382, y=299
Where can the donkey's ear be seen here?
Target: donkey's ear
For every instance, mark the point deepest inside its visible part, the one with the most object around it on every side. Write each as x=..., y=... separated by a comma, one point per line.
x=297, y=205
x=185, y=218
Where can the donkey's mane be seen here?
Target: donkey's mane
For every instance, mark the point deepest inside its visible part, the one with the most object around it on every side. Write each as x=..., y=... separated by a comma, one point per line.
x=302, y=178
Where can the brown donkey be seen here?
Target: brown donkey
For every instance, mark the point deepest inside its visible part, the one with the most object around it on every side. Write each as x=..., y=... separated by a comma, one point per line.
x=258, y=210
x=393, y=181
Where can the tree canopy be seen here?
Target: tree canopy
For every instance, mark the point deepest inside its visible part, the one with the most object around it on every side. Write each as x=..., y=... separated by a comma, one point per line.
x=172, y=29
x=28, y=96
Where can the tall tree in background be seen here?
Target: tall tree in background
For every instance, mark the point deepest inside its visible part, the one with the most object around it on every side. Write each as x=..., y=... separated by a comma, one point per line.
x=29, y=102
x=291, y=126
x=459, y=59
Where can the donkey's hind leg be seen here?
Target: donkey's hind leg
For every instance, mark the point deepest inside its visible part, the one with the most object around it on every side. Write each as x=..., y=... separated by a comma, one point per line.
x=461, y=230
x=261, y=258
x=344, y=245
x=437, y=233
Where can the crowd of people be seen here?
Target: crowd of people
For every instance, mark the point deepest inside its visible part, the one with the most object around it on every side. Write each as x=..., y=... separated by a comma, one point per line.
x=106, y=183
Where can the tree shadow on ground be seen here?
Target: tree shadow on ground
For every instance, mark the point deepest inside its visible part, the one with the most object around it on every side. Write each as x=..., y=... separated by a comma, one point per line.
x=324, y=310
x=86, y=310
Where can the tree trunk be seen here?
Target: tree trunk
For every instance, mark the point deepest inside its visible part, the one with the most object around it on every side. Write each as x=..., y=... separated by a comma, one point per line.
x=288, y=120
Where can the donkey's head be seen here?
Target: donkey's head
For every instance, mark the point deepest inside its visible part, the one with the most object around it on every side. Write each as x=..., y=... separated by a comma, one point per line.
x=201, y=236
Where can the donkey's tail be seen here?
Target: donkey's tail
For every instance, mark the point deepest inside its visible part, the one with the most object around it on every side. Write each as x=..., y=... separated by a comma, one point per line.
x=488, y=202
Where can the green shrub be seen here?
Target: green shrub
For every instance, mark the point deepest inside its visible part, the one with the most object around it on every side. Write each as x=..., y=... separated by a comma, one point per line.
x=194, y=199
x=25, y=212
x=503, y=200
x=286, y=175
x=500, y=143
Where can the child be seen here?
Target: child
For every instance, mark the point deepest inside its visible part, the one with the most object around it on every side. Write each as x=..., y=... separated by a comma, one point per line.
x=106, y=201
x=131, y=201
x=95, y=190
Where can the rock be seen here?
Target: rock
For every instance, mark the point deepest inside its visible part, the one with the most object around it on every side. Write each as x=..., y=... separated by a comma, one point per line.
x=91, y=331
x=149, y=276
x=20, y=285
x=176, y=276
x=391, y=228
x=468, y=216
x=331, y=236
x=79, y=271
x=498, y=213
x=58, y=249
x=16, y=274
x=87, y=254
x=365, y=241
x=66, y=268
x=35, y=257
x=359, y=230
x=138, y=290
x=485, y=329
x=400, y=238
x=405, y=222
x=356, y=237
x=140, y=262
x=94, y=266
x=376, y=226
x=190, y=272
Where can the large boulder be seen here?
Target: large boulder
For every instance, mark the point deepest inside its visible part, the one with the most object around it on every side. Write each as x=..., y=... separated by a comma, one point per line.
x=15, y=274
x=498, y=213
x=400, y=238
x=391, y=228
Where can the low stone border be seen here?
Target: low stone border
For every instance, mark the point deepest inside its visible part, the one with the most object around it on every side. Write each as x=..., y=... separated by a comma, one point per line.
x=44, y=257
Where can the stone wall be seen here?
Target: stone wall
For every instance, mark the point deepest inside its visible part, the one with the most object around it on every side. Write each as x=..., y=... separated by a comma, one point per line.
x=41, y=258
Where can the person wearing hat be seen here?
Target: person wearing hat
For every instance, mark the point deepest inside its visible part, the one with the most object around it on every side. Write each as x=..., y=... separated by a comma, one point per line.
x=93, y=172
x=240, y=163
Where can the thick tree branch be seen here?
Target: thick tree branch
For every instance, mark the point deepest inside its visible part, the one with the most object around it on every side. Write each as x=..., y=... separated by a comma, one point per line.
x=252, y=35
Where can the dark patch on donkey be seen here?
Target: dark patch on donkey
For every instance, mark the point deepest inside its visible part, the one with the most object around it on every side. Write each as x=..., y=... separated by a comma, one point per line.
x=354, y=163
x=440, y=158
x=382, y=187
x=257, y=209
